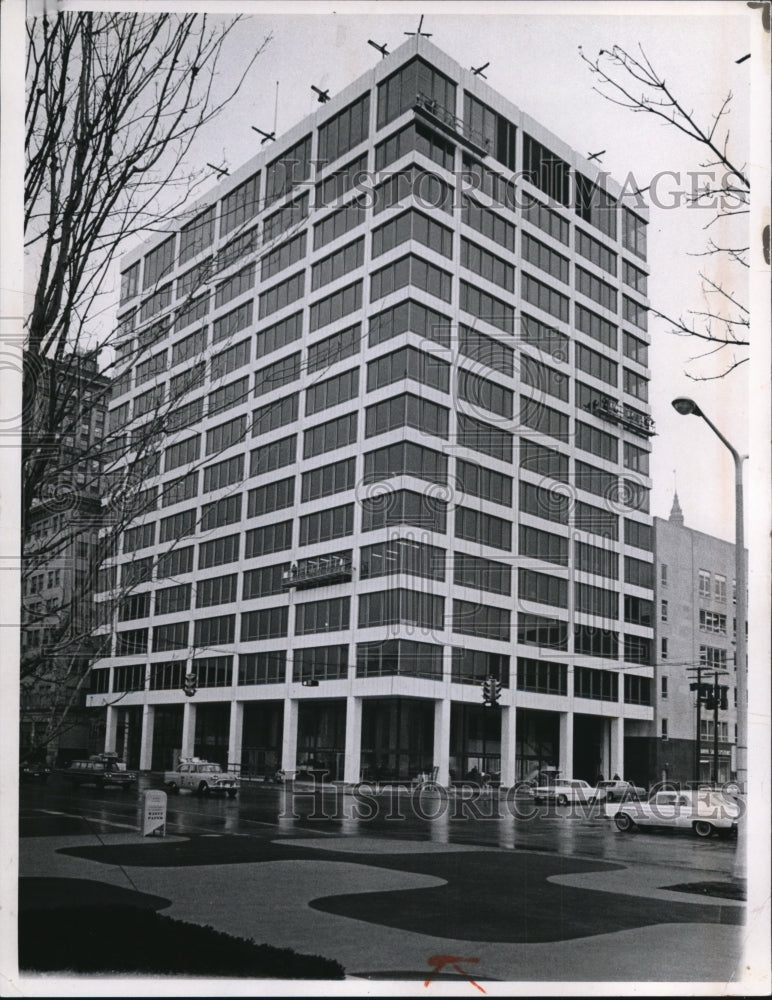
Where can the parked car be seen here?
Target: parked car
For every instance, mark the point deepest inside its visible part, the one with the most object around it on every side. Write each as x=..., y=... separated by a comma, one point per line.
x=617, y=790
x=703, y=811
x=202, y=777
x=563, y=791
x=101, y=770
x=34, y=770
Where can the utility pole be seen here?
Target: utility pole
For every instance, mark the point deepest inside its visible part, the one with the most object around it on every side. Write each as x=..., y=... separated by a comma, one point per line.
x=698, y=741
x=715, y=728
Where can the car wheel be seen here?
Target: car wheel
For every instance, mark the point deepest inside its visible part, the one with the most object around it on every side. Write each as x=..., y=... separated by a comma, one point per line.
x=562, y=800
x=623, y=822
x=203, y=788
x=702, y=828
x=172, y=787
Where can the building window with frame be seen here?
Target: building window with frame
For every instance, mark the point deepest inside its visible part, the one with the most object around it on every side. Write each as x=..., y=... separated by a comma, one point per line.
x=704, y=584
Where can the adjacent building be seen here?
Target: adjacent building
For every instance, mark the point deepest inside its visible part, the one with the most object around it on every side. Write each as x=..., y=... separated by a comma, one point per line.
x=60, y=551
x=695, y=633
x=403, y=361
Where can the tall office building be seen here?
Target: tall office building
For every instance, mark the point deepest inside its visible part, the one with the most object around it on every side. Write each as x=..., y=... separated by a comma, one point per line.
x=405, y=352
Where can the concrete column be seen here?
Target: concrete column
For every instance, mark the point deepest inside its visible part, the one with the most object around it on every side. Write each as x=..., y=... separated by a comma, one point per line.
x=188, y=730
x=111, y=723
x=566, y=755
x=353, y=762
x=617, y=762
x=442, y=740
x=289, y=739
x=146, y=745
x=234, y=734
x=508, y=745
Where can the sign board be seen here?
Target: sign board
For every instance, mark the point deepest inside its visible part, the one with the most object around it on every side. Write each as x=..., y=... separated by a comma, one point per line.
x=154, y=813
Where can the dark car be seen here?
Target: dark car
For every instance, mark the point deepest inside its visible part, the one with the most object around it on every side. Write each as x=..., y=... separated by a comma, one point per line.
x=101, y=770
x=34, y=770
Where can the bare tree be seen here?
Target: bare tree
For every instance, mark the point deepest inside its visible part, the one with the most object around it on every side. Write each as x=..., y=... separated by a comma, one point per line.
x=631, y=82
x=114, y=102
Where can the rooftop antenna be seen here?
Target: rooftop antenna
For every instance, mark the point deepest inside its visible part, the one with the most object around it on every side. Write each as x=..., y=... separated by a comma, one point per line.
x=267, y=136
x=322, y=95
x=596, y=156
x=220, y=170
x=381, y=48
x=276, y=109
x=419, y=32
x=478, y=71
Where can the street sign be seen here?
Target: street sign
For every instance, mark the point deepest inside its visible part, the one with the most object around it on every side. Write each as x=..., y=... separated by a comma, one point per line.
x=154, y=813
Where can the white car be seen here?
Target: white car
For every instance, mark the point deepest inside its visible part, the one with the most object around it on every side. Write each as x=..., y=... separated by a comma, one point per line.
x=201, y=777
x=618, y=790
x=564, y=791
x=703, y=811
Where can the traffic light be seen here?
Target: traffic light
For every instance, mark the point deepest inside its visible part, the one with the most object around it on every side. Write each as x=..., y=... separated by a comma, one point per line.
x=710, y=700
x=491, y=689
x=724, y=703
x=189, y=685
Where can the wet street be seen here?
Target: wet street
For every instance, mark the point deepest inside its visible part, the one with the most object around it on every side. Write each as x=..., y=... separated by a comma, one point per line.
x=465, y=816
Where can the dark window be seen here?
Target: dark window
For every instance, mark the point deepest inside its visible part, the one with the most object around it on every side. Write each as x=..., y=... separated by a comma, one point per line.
x=275, y=455
x=345, y=130
x=545, y=170
x=596, y=327
x=482, y=574
x=281, y=412
x=486, y=350
x=271, y=538
x=596, y=520
x=221, y=512
x=543, y=257
x=229, y=360
x=197, y=235
x=269, y=623
x=535, y=630
x=544, y=378
x=342, y=221
x=169, y=600
x=278, y=335
x=159, y=262
x=320, y=663
x=242, y=204
x=331, y=615
x=283, y=256
x=600, y=685
x=404, y=458
x=263, y=668
x=409, y=316
x=471, y=618
x=596, y=206
x=323, y=525
x=483, y=437
x=539, y=294
x=633, y=233
x=214, y=631
x=338, y=263
x=545, y=677
x=595, y=560
x=278, y=374
x=331, y=478
x=538, y=544
x=596, y=601
x=483, y=482
x=402, y=89
x=224, y=473
x=175, y=563
x=474, y=526
x=489, y=223
x=335, y=185
x=228, y=395
x=545, y=503
x=399, y=656
x=401, y=607
x=408, y=362
x=487, y=307
x=412, y=225
x=400, y=555
x=265, y=581
x=329, y=436
x=219, y=551
x=414, y=271
x=491, y=130
x=216, y=590
x=336, y=347
x=282, y=294
x=488, y=265
x=404, y=507
x=171, y=637
x=285, y=218
x=275, y=495
x=225, y=435
x=333, y=307
x=288, y=170
x=406, y=410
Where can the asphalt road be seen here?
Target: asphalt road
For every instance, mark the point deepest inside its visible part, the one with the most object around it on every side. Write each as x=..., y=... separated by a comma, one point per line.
x=467, y=818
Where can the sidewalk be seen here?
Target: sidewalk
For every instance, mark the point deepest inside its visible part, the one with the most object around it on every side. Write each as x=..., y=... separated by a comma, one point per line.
x=354, y=899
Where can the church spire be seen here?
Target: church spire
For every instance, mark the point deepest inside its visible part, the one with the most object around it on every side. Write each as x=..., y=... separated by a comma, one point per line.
x=676, y=514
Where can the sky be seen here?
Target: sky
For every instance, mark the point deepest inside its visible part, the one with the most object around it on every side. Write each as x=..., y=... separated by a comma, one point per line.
x=535, y=63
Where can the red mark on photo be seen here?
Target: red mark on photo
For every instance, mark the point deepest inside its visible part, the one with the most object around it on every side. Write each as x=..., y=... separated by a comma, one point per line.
x=438, y=962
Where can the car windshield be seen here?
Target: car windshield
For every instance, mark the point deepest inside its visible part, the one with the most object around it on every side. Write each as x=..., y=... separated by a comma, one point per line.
x=210, y=768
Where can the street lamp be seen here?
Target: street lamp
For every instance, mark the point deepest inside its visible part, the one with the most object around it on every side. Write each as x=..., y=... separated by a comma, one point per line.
x=684, y=407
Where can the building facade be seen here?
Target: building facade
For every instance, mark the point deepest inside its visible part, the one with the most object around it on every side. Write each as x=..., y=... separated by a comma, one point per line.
x=694, y=645
x=404, y=354
x=60, y=543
